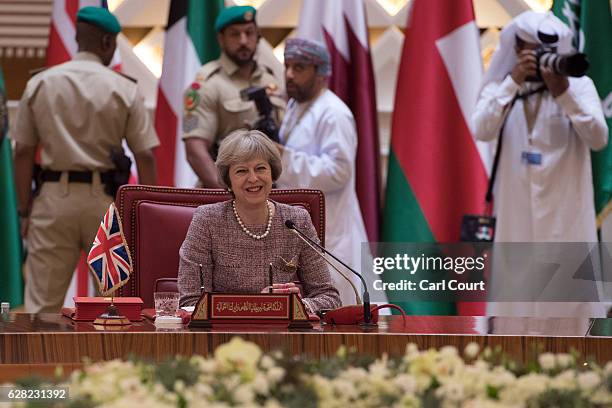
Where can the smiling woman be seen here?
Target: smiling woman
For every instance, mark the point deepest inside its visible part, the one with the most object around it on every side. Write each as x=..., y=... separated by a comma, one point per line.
x=230, y=245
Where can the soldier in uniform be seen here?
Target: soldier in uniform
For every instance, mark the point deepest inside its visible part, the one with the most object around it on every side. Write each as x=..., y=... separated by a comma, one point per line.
x=77, y=112
x=213, y=106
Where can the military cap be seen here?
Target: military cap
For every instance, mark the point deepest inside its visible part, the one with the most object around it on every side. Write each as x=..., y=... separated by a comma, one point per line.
x=235, y=15
x=100, y=17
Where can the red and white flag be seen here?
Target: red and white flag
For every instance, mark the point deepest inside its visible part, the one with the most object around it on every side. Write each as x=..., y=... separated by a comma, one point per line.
x=62, y=47
x=341, y=24
x=437, y=172
x=62, y=44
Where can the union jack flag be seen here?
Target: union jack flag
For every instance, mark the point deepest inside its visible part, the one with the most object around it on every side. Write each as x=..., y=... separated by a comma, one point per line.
x=109, y=257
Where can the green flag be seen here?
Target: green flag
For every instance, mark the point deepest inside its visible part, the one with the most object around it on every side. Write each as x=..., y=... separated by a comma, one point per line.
x=201, y=28
x=592, y=25
x=11, y=286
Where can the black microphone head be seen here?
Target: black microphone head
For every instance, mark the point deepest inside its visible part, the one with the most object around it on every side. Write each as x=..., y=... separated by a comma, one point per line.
x=289, y=224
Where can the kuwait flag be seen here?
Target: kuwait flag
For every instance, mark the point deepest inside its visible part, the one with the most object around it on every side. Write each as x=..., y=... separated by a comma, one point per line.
x=341, y=24
x=436, y=173
x=62, y=48
x=190, y=42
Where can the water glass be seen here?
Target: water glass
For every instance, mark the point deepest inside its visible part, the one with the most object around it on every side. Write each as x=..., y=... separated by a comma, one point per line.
x=166, y=303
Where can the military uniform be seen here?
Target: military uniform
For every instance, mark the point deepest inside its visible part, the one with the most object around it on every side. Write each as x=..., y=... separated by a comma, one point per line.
x=77, y=112
x=213, y=107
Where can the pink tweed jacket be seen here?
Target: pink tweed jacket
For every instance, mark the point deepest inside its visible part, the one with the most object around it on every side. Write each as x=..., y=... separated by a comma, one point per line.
x=236, y=263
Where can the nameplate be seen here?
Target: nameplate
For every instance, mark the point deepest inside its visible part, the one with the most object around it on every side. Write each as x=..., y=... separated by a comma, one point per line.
x=245, y=309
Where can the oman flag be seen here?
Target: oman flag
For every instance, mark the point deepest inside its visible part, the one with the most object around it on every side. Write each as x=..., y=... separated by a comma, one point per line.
x=436, y=173
x=190, y=42
x=341, y=24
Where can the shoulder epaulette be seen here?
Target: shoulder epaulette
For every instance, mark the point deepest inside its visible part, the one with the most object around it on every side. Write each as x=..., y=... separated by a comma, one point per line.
x=208, y=70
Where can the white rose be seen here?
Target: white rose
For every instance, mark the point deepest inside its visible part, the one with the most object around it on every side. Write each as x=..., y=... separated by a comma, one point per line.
x=471, y=350
x=588, y=380
x=564, y=360
x=406, y=382
x=448, y=351
x=547, y=361
x=260, y=385
x=267, y=362
x=243, y=394
x=275, y=374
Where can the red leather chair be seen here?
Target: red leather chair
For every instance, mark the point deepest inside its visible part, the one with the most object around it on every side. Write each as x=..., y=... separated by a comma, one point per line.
x=155, y=222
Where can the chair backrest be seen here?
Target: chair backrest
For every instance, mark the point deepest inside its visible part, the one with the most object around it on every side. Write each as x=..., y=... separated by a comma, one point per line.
x=155, y=222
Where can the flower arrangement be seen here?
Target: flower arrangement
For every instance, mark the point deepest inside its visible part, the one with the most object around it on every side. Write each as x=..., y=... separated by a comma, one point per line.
x=240, y=374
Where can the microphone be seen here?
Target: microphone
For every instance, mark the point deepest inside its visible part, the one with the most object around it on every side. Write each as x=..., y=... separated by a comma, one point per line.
x=367, y=312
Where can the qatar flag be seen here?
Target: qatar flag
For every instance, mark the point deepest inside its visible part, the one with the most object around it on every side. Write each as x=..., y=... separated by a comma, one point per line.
x=342, y=25
x=437, y=171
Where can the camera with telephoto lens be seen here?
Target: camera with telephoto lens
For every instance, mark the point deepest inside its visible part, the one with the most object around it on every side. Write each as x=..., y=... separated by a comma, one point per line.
x=265, y=123
x=569, y=65
x=574, y=64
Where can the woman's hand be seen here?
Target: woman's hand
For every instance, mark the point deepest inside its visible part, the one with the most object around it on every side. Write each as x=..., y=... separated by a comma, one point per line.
x=283, y=288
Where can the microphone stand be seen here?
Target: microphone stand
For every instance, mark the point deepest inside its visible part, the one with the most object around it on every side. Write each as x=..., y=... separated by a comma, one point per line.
x=367, y=313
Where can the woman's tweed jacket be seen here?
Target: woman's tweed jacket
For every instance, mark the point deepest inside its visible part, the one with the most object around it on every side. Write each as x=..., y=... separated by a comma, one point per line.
x=236, y=263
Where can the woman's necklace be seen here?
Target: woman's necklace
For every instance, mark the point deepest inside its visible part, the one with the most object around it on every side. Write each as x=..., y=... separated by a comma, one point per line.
x=246, y=230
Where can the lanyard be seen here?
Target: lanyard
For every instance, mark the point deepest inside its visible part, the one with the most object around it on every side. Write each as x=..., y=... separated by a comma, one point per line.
x=531, y=114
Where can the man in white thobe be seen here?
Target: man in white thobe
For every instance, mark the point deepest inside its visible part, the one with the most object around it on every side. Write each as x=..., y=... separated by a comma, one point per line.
x=319, y=140
x=544, y=192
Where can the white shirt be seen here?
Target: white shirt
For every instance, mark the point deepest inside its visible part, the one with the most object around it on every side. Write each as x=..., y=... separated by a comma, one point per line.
x=320, y=140
x=552, y=201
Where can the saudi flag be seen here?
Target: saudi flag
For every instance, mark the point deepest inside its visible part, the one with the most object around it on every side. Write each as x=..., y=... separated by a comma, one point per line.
x=436, y=173
x=591, y=23
x=11, y=286
x=190, y=42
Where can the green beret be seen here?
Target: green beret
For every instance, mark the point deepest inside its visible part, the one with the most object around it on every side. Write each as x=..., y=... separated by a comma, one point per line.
x=100, y=17
x=234, y=15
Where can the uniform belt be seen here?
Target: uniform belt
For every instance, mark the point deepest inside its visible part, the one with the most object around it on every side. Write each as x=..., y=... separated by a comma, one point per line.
x=74, y=176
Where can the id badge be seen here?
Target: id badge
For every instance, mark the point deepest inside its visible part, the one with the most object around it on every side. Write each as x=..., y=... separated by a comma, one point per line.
x=531, y=158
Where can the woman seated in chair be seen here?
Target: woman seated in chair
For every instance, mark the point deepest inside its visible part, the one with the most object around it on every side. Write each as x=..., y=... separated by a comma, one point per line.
x=230, y=245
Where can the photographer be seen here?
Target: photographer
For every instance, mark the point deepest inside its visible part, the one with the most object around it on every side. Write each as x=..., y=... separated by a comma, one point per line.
x=544, y=191
x=213, y=104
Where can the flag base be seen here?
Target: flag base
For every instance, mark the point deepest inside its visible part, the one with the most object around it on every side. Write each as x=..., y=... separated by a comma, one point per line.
x=112, y=317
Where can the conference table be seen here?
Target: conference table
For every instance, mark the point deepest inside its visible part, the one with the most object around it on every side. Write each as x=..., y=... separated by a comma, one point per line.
x=38, y=343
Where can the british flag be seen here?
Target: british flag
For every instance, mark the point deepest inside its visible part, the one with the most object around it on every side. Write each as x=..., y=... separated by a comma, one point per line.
x=109, y=257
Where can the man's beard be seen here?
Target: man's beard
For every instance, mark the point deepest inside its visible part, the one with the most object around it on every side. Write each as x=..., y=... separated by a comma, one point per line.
x=302, y=93
x=238, y=59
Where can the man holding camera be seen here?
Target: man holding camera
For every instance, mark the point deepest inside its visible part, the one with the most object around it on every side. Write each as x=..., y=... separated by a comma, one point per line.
x=78, y=112
x=550, y=122
x=213, y=103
